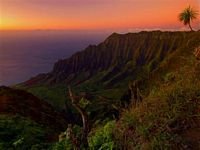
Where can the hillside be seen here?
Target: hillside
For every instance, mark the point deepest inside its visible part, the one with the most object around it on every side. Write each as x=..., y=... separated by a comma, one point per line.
x=104, y=71
x=18, y=102
x=26, y=122
x=160, y=65
x=167, y=117
x=119, y=57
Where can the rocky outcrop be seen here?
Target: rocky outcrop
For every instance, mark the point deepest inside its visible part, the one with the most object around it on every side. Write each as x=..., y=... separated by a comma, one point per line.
x=119, y=56
x=19, y=102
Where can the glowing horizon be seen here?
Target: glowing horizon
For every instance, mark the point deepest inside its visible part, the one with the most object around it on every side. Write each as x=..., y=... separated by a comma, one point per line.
x=93, y=14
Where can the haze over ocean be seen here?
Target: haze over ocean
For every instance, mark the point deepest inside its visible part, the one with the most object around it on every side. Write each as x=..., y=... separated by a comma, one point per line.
x=24, y=54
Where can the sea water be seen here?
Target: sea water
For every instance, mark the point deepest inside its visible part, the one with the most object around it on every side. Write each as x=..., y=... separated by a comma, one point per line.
x=24, y=54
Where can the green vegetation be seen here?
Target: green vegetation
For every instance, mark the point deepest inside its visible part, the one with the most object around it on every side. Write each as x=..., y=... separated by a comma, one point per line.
x=165, y=116
x=63, y=145
x=187, y=16
x=100, y=104
x=21, y=134
x=55, y=95
x=168, y=116
x=102, y=138
x=165, y=120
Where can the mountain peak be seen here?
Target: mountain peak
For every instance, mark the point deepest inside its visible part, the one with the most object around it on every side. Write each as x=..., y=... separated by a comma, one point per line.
x=118, y=56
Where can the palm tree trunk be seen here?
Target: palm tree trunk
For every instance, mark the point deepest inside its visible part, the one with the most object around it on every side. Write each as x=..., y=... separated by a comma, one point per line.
x=190, y=26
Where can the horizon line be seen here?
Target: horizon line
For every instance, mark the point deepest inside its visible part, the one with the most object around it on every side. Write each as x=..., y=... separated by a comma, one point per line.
x=106, y=30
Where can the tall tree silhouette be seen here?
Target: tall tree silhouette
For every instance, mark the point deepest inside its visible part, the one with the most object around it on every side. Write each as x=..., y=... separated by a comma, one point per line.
x=187, y=15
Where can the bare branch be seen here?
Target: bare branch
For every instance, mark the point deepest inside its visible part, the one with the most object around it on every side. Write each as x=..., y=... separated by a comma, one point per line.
x=84, y=116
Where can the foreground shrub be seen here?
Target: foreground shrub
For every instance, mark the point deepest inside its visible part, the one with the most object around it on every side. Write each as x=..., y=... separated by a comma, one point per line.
x=21, y=134
x=102, y=138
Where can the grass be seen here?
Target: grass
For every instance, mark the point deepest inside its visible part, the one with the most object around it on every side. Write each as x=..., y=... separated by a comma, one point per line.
x=55, y=95
x=104, y=102
x=170, y=109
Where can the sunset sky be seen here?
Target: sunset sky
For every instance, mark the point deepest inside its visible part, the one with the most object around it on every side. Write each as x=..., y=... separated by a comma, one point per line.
x=93, y=14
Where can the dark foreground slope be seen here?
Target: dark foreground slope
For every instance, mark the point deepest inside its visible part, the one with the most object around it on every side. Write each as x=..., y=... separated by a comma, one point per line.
x=18, y=102
x=26, y=122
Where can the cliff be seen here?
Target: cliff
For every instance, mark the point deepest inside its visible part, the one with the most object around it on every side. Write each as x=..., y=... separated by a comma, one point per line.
x=119, y=56
x=166, y=115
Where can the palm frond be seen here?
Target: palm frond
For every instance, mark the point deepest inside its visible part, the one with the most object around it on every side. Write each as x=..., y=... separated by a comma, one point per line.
x=187, y=15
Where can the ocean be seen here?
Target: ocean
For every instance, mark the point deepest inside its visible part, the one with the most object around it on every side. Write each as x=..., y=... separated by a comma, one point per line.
x=24, y=54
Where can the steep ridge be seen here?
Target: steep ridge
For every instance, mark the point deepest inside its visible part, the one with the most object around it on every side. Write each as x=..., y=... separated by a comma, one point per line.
x=119, y=56
x=19, y=102
x=168, y=115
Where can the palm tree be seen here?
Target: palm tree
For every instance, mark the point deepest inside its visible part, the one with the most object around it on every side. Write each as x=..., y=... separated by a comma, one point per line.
x=187, y=15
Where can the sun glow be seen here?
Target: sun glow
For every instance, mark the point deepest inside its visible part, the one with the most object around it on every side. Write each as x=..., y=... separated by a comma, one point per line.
x=96, y=14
